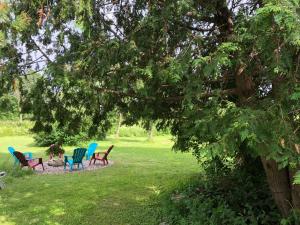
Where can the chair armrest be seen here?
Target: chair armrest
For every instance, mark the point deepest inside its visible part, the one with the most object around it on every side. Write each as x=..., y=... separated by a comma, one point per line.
x=101, y=153
x=32, y=159
x=40, y=159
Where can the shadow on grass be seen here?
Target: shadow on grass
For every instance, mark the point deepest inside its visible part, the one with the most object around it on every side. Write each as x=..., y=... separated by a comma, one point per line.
x=52, y=202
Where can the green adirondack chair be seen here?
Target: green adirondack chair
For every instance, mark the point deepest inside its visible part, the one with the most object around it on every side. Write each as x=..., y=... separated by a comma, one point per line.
x=77, y=157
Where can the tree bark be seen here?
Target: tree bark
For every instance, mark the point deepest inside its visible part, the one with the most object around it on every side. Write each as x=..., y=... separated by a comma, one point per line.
x=119, y=125
x=150, y=131
x=280, y=185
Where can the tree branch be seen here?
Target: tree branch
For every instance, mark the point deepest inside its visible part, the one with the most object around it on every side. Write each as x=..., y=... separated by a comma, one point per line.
x=41, y=51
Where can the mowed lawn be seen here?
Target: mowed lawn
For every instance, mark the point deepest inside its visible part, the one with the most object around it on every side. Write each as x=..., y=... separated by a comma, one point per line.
x=128, y=192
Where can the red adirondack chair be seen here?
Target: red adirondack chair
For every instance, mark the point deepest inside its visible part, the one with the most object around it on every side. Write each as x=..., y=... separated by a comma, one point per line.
x=31, y=163
x=103, y=158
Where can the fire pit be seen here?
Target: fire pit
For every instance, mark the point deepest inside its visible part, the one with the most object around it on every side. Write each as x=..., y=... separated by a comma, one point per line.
x=55, y=162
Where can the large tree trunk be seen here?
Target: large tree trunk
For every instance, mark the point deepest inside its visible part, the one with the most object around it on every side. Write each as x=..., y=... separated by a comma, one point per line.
x=17, y=94
x=119, y=125
x=279, y=183
x=285, y=194
x=150, y=131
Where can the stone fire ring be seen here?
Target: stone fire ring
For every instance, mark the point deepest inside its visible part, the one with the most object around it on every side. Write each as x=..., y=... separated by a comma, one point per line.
x=60, y=169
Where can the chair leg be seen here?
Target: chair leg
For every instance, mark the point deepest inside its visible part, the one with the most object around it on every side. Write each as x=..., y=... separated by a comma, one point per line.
x=43, y=166
x=71, y=167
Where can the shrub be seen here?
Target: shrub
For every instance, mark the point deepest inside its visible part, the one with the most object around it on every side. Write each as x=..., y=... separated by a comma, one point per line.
x=235, y=197
x=56, y=136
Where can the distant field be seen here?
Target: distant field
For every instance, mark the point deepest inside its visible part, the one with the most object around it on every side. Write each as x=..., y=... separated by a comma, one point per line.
x=15, y=128
x=129, y=192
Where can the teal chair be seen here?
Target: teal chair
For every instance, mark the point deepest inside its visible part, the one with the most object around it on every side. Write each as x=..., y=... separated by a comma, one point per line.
x=11, y=150
x=90, y=151
x=77, y=158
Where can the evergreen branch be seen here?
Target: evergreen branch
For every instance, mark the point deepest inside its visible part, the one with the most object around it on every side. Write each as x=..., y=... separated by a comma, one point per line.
x=40, y=50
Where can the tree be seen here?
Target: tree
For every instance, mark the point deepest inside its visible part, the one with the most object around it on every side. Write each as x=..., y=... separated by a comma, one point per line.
x=221, y=74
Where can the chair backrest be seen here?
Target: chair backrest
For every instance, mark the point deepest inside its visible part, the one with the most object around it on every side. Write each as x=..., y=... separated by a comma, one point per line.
x=92, y=148
x=21, y=157
x=11, y=150
x=107, y=152
x=78, y=155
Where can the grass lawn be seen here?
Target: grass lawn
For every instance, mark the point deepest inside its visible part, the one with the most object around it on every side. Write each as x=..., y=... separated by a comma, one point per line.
x=129, y=192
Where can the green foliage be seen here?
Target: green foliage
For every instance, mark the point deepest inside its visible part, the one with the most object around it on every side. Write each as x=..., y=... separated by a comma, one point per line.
x=57, y=136
x=297, y=178
x=8, y=107
x=294, y=218
x=219, y=74
x=224, y=197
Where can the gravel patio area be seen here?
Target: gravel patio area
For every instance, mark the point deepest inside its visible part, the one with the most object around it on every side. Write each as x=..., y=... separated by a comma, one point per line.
x=60, y=169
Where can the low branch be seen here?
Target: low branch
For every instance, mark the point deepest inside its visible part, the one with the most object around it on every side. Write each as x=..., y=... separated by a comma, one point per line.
x=41, y=51
x=169, y=98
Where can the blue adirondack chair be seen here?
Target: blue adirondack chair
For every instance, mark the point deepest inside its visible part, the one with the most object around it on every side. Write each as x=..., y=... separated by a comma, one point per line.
x=90, y=151
x=77, y=158
x=11, y=150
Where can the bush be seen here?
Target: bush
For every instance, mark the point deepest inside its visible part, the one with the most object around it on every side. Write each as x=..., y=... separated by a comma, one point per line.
x=44, y=139
x=235, y=197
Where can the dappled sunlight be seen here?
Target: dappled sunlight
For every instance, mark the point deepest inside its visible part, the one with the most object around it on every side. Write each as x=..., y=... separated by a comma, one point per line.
x=57, y=211
x=28, y=195
x=140, y=198
x=4, y=220
x=131, y=186
x=154, y=189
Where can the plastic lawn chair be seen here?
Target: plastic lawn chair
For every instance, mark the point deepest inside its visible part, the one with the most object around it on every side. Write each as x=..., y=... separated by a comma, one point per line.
x=90, y=151
x=77, y=158
x=31, y=163
x=28, y=155
x=103, y=158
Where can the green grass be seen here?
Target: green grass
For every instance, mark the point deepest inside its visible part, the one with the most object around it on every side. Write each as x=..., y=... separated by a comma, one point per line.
x=129, y=192
x=12, y=128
